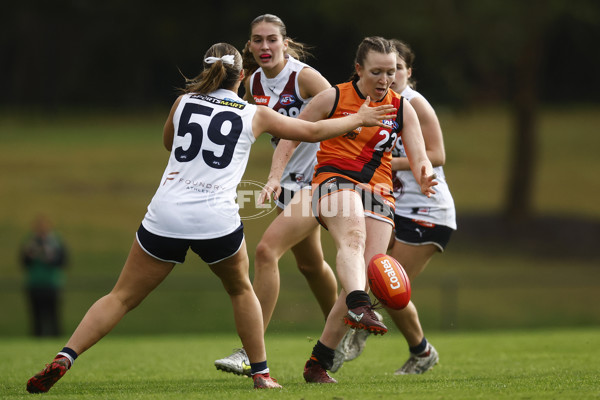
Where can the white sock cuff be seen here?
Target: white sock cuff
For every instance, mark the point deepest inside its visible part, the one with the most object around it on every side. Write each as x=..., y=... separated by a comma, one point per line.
x=264, y=371
x=60, y=353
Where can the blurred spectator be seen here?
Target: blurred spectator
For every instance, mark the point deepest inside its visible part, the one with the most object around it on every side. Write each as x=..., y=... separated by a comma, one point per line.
x=43, y=256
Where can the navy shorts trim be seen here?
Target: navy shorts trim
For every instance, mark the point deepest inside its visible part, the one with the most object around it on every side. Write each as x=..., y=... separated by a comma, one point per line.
x=174, y=250
x=375, y=206
x=418, y=232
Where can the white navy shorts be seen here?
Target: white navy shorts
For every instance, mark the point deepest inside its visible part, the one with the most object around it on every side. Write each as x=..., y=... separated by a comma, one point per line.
x=174, y=250
x=417, y=232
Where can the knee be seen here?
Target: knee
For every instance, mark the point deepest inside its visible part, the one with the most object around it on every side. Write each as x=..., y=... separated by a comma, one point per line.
x=237, y=287
x=354, y=240
x=312, y=266
x=265, y=255
x=126, y=302
x=309, y=269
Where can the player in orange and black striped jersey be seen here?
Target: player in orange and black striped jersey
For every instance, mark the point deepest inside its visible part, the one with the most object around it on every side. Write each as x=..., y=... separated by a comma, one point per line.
x=352, y=190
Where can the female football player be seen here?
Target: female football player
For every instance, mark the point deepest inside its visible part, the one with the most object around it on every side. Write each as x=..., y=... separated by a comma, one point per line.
x=352, y=190
x=281, y=82
x=423, y=225
x=209, y=132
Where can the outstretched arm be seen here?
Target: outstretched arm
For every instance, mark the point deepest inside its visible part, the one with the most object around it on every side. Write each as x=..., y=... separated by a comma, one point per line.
x=267, y=120
x=432, y=135
x=412, y=138
x=282, y=154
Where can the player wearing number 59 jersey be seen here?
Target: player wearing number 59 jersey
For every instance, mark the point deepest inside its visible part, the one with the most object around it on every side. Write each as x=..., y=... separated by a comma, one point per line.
x=209, y=132
x=209, y=155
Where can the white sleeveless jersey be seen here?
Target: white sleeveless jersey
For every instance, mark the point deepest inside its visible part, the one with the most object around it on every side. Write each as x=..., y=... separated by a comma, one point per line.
x=196, y=197
x=410, y=202
x=282, y=94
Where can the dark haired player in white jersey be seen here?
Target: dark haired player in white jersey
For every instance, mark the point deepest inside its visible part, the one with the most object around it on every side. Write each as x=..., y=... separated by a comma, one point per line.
x=279, y=80
x=423, y=224
x=209, y=132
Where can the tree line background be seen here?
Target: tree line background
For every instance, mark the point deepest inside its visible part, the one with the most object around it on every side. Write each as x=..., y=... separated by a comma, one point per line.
x=131, y=54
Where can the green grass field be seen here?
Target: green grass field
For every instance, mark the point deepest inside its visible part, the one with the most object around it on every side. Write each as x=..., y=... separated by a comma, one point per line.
x=94, y=174
x=533, y=364
x=508, y=324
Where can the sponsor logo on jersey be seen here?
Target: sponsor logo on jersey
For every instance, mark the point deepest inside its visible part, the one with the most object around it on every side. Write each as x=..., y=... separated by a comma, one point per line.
x=351, y=135
x=221, y=102
x=297, y=177
x=391, y=123
x=170, y=176
x=421, y=211
x=262, y=100
x=287, y=99
x=330, y=183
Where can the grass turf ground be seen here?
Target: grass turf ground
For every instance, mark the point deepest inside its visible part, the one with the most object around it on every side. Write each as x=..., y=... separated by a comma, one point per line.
x=95, y=174
x=533, y=364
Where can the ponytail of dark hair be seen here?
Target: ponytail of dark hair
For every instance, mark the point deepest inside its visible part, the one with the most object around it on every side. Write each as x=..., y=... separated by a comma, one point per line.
x=216, y=75
x=406, y=53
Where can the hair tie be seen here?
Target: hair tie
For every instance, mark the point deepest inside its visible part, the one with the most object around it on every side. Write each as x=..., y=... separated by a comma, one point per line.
x=227, y=59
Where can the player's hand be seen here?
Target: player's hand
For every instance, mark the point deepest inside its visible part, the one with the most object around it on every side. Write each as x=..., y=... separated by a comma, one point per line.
x=427, y=182
x=373, y=116
x=271, y=188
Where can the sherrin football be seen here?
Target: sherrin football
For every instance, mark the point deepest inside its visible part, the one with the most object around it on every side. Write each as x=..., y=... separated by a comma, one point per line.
x=388, y=281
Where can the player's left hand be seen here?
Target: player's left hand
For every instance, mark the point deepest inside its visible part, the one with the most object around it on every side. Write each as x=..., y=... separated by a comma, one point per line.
x=427, y=182
x=272, y=189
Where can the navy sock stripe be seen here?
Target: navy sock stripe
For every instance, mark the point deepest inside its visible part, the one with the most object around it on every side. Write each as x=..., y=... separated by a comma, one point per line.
x=418, y=349
x=258, y=367
x=70, y=352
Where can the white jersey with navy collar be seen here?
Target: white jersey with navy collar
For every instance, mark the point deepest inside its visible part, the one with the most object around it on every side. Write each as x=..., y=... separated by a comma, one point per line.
x=410, y=202
x=282, y=94
x=196, y=197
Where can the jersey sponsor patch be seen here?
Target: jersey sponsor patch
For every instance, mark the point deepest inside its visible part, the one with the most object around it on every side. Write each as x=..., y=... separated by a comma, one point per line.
x=262, y=100
x=424, y=224
x=287, y=99
x=421, y=210
x=221, y=102
x=297, y=177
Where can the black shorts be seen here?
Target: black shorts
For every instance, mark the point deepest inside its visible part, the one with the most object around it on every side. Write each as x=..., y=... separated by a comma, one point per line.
x=375, y=206
x=174, y=250
x=284, y=197
x=417, y=232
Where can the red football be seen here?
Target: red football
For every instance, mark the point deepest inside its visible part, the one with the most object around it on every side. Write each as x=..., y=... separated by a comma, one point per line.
x=388, y=281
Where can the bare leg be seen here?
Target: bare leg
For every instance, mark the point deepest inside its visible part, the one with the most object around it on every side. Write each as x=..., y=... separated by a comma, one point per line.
x=343, y=213
x=316, y=271
x=233, y=273
x=296, y=227
x=413, y=259
x=140, y=275
x=376, y=242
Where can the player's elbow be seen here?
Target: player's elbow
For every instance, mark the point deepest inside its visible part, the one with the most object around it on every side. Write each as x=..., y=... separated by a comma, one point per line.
x=314, y=134
x=438, y=158
x=439, y=161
